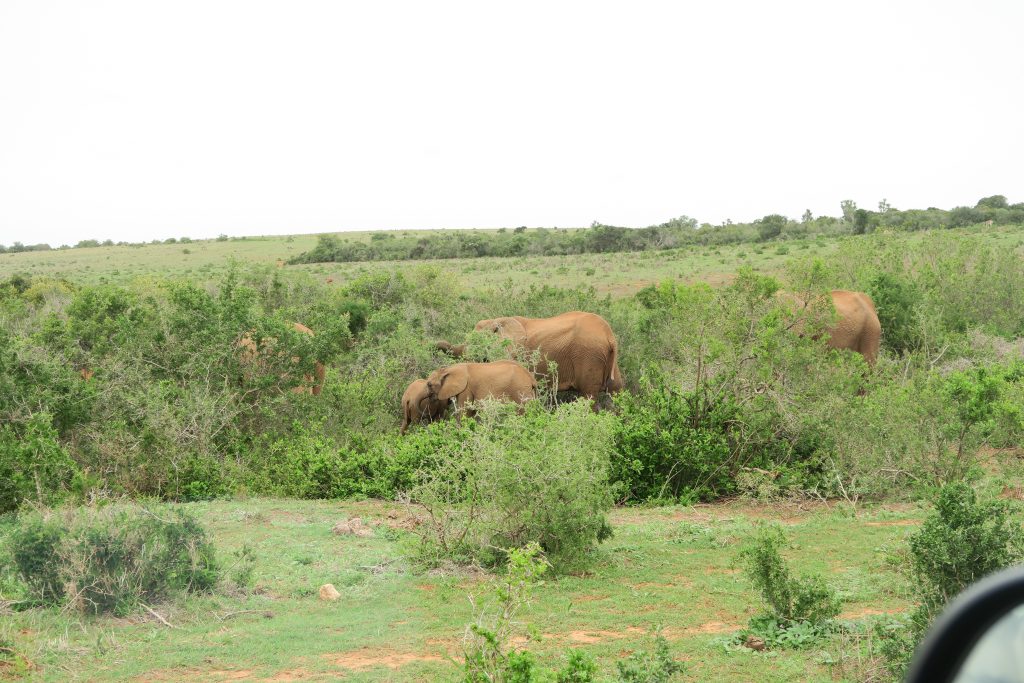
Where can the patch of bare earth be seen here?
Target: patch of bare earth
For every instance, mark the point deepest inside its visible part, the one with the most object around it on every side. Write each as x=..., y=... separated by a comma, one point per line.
x=862, y=612
x=598, y=636
x=710, y=627
x=369, y=658
x=208, y=676
x=784, y=512
x=293, y=675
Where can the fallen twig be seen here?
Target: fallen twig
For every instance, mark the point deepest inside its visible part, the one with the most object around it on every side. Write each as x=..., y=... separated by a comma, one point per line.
x=162, y=620
x=229, y=615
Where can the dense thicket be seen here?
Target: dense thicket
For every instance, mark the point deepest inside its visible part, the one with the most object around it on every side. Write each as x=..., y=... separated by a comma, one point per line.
x=678, y=232
x=141, y=389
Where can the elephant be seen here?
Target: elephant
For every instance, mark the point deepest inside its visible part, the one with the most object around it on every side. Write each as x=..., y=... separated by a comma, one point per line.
x=468, y=382
x=454, y=350
x=581, y=344
x=417, y=406
x=855, y=327
x=249, y=354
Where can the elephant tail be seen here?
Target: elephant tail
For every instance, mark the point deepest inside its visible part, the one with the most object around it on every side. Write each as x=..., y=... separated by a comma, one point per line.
x=612, y=376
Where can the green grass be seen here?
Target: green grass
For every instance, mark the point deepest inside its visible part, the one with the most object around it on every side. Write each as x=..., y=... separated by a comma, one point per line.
x=616, y=274
x=619, y=274
x=673, y=567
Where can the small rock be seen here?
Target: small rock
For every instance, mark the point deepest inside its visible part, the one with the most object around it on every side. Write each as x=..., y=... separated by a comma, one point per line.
x=352, y=527
x=329, y=593
x=754, y=643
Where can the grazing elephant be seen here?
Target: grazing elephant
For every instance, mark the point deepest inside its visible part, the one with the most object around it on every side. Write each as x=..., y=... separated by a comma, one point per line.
x=454, y=350
x=417, y=406
x=311, y=384
x=581, y=344
x=468, y=382
x=856, y=325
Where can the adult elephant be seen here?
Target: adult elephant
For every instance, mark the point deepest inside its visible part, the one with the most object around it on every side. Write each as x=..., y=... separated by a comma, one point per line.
x=469, y=382
x=418, y=406
x=582, y=345
x=855, y=326
x=250, y=356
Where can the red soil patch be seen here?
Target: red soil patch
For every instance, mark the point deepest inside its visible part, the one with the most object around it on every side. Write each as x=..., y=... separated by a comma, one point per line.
x=368, y=658
x=784, y=512
x=701, y=629
x=213, y=675
x=867, y=612
x=711, y=569
x=295, y=675
x=597, y=636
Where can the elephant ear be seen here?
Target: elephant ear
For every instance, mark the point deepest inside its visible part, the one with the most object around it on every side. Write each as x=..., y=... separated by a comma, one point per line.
x=510, y=328
x=453, y=382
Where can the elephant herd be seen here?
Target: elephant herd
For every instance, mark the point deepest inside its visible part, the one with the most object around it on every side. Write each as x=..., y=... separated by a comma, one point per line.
x=583, y=351
x=578, y=350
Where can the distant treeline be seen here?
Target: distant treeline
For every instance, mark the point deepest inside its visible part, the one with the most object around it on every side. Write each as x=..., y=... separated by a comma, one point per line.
x=678, y=232
x=87, y=244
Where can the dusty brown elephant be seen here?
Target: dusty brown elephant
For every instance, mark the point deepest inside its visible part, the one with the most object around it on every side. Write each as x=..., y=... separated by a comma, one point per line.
x=581, y=344
x=250, y=356
x=856, y=325
x=417, y=406
x=468, y=382
x=455, y=350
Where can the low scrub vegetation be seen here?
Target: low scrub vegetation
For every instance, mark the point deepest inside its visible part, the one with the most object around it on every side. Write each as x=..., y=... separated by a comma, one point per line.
x=798, y=610
x=506, y=480
x=962, y=541
x=110, y=559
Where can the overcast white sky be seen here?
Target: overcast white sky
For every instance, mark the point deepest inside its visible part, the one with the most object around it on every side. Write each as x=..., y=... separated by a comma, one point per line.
x=136, y=120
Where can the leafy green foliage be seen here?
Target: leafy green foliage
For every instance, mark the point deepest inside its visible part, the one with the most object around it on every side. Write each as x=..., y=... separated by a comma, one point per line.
x=33, y=464
x=670, y=446
x=799, y=610
x=896, y=301
x=961, y=541
x=657, y=666
x=488, y=652
x=787, y=598
x=111, y=559
x=504, y=480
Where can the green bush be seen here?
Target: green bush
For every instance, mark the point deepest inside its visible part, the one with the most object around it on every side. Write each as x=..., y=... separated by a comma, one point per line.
x=33, y=464
x=798, y=610
x=657, y=666
x=489, y=656
x=111, y=559
x=896, y=300
x=670, y=445
x=504, y=480
x=921, y=433
x=962, y=541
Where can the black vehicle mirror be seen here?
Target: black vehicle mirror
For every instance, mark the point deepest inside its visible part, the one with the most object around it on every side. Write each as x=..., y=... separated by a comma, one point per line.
x=979, y=637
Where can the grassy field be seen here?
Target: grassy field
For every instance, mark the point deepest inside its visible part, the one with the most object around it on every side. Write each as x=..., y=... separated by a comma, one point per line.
x=617, y=274
x=673, y=567
x=669, y=567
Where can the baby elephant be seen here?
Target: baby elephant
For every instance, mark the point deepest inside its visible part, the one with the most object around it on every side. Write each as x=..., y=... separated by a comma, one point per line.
x=417, y=406
x=468, y=382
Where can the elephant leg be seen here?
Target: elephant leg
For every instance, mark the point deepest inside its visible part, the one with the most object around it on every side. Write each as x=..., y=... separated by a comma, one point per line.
x=591, y=390
x=869, y=348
